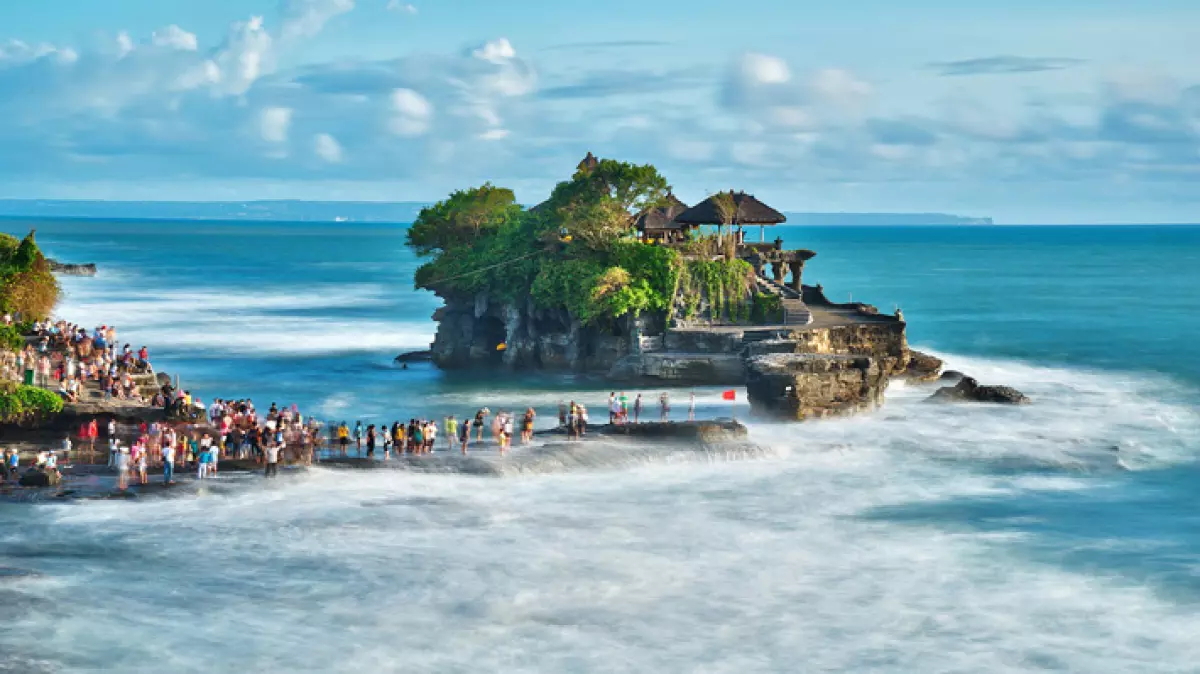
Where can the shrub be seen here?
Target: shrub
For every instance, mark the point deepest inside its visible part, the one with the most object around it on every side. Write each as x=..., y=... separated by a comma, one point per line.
x=27, y=405
x=768, y=309
x=10, y=338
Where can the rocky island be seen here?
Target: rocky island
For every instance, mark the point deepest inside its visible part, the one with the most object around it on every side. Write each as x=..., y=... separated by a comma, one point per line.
x=614, y=276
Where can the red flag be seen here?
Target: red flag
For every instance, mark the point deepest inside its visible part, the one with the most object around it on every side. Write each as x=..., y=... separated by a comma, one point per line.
x=729, y=395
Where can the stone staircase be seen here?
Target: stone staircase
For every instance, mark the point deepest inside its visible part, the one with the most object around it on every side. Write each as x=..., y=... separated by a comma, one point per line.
x=795, y=312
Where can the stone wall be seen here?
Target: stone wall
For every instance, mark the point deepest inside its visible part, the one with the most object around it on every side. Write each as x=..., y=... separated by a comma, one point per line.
x=883, y=341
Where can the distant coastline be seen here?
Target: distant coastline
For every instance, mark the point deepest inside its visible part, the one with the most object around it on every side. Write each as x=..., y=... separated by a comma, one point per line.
x=364, y=212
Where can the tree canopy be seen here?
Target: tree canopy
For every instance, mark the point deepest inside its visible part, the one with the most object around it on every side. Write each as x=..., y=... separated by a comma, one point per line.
x=27, y=286
x=577, y=251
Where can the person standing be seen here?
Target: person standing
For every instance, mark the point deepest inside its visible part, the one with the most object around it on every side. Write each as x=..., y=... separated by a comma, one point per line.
x=123, y=469
x=141, y=465
x=664, y=404
x=692, y=407
x=637, y=408
x=343, y=432
x=358, y=438
x=66, y=448
x=168, y=457
x=527, y=426
x=451, y=431
x=465, y=435
x=272, y=469
x=371, y=437
x=202, y=463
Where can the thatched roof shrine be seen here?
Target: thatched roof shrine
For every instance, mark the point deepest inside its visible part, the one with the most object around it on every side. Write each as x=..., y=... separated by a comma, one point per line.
x=731, y=208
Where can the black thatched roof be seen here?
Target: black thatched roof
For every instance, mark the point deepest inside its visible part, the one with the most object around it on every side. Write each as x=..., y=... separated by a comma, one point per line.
x=663, y=217
x=747, y=211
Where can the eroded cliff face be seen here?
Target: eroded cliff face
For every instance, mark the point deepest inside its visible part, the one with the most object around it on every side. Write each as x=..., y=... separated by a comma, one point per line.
x=885, y=342
x=812, y=386
x=480, y=332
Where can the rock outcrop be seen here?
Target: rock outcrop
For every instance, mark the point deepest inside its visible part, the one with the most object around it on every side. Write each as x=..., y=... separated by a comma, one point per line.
x=970, y=390
x=71, y=269
x=923, y=367
x=39, y=478
x=809, y=386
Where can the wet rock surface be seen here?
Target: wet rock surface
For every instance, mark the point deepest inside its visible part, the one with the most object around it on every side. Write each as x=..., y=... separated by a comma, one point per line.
x=970, y=390
x=811, y=386
x=923, y=367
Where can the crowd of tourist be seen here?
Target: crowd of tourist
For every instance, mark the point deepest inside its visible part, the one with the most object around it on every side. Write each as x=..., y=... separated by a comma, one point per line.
x=66, y=357
x=83, y=363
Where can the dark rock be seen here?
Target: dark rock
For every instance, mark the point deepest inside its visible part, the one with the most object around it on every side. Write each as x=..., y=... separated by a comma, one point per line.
x=970, y=390
x=415, y=357
x=36, y=478
x=72, y=269
x=808, y=386
x=163, y=379
x=951, y=375
x=688, y=431
x=922, y=367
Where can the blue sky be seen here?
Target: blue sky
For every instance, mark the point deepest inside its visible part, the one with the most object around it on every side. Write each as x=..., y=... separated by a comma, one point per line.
x=1071, y=111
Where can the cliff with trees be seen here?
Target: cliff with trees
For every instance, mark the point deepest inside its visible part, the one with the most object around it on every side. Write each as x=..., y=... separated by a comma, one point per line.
x=568, y=284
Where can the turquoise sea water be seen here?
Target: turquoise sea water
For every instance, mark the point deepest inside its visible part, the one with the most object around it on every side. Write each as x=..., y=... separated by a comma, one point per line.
x=1063, y=536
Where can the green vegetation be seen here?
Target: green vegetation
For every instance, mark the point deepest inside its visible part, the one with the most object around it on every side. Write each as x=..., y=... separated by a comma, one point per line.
x=577, y=251
x=27, y=287
x=767, y=309
x=10, y=338
x=27, y=405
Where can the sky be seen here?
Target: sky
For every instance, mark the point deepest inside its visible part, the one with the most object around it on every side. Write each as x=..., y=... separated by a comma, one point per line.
x=1027, y=111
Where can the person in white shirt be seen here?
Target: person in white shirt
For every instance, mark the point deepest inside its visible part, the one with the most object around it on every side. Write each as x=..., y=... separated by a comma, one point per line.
x=272, y=451
x=168, y=456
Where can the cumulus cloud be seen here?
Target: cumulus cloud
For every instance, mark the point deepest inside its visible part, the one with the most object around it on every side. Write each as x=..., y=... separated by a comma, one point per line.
x=496, y=51
x=413, y=111
x=764, y=89
x=174, y=37
x=170, y=108
x=328, y=148
x=274, y=124
x=1002, y=65
x=243, y=58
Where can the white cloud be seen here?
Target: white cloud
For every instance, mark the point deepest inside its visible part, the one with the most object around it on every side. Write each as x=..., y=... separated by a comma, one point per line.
x=763, y=69
x=840, y=87
x=306, y=18
x=243, y=58
x=498, y=51
x=274, y=124
x=327, y=148
x=174, y=37
x=124, y=44
x=413, y=111
x=494, y=134
x=402, y=7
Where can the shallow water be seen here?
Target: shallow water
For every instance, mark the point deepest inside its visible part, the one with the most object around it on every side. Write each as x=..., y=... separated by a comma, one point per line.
x=1061, y=536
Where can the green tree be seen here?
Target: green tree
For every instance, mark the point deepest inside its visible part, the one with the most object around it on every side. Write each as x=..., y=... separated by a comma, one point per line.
x=462, y=219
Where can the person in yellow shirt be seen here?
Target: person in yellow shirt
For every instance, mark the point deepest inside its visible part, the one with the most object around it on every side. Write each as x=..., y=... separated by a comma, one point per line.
x=343, y=433
x=451, y=431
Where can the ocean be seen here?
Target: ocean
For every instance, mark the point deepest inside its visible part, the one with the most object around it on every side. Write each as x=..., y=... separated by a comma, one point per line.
x=1061, y=536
